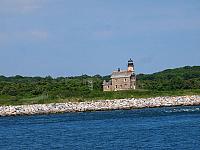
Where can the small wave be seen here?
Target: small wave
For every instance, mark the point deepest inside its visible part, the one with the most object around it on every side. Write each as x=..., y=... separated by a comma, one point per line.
x=183, y=110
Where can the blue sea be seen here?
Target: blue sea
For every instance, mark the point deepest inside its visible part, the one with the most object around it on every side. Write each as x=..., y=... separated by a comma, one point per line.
x=150, y=128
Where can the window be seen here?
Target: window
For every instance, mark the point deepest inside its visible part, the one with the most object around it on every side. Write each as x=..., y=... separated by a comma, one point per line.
x=108, y=87
x=125, y=80
x=116, y=86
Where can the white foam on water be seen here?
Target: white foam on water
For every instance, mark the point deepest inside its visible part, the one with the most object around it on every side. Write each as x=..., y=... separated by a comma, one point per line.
x=183, y=110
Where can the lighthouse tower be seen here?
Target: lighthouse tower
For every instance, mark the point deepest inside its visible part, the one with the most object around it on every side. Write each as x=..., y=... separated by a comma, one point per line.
x=130, y=65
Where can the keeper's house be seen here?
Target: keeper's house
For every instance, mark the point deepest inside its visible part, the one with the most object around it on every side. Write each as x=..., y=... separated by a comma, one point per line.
x=122, y=80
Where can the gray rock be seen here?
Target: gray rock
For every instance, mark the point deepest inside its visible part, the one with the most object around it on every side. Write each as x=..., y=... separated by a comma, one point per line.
x=99, y=105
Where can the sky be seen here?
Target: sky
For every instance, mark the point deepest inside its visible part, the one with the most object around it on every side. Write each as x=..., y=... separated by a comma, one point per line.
x=75, y=37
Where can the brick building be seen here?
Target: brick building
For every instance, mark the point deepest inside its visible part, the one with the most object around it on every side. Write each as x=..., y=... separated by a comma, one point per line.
x=122, y=80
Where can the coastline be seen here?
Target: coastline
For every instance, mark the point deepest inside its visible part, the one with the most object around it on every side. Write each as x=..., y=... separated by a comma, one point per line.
x=99, y=105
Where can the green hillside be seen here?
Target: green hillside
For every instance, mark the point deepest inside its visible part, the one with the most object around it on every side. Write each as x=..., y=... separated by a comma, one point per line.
x=171, y=79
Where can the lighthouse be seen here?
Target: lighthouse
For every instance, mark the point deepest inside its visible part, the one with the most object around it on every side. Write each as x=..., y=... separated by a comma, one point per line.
x=122, y=79
x=130, y=65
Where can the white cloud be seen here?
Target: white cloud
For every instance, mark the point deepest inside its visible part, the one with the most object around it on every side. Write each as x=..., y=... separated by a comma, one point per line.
x=104, y=34
x=3, y=36
x=20, y=6
x=39, y=34
x=33, y=35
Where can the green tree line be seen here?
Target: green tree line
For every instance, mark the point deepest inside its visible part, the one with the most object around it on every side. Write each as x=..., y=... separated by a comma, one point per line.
x=171, y=79
x=19, y=87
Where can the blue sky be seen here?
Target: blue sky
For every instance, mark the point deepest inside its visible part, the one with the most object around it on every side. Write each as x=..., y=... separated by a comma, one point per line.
x=74, y=37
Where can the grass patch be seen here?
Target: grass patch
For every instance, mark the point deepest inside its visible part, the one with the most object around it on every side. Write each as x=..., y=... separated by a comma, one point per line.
x=95, y=95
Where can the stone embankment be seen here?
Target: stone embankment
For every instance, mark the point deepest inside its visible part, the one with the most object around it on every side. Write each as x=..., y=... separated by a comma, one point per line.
x=99, y=105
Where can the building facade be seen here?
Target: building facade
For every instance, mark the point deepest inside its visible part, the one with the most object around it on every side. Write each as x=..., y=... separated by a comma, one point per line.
x=122, y=80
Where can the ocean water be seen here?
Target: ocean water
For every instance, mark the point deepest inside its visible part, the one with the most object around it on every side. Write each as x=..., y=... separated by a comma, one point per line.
x=150, y=128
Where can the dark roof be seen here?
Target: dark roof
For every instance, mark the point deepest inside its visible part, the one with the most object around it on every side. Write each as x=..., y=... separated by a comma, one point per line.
x=121, y=74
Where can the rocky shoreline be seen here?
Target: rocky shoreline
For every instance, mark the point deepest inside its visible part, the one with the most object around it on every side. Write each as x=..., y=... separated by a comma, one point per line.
x=99, y=105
